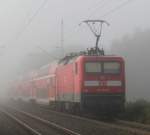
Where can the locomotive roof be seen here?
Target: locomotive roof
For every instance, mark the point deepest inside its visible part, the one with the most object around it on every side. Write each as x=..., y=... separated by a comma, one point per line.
x=92, y=52
x=70, y=59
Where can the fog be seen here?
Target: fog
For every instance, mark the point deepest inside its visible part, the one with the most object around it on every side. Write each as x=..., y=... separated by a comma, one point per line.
x=30, y=35
x=135, y=49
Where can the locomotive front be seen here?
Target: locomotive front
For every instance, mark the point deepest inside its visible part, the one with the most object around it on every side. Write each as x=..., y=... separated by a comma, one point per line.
x=103, y=83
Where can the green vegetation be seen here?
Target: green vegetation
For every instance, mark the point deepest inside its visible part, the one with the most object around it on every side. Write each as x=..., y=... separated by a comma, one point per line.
x=138, y=111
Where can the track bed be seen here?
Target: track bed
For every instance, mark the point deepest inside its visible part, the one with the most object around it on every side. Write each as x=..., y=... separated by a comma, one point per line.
x=82, y=125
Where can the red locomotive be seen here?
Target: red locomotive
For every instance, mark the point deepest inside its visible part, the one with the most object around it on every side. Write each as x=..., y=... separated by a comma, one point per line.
x=91, y=83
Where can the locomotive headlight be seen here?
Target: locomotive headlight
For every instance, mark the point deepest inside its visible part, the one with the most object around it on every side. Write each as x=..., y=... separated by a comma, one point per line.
x=114, y=83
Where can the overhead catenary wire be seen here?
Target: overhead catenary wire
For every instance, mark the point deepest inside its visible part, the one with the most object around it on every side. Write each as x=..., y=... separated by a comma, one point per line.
x=31, y=19
x=46, y=52
x=99, y=6
x=117, y=8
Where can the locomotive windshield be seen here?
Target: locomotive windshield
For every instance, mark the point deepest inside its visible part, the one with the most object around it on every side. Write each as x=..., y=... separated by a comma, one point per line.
x=111, y=67
x=93, y=67
x=102, y=67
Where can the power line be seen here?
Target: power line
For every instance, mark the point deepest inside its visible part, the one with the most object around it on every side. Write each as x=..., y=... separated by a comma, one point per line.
x=62, y=38
x=117, y=8
x=19, y=34
x=100, y=5
x=31, y=19
x=97, y=4
x=46, y=52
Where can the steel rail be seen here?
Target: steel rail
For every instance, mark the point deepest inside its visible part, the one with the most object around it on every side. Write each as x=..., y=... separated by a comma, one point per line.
x=46, y=122
x=22, y=124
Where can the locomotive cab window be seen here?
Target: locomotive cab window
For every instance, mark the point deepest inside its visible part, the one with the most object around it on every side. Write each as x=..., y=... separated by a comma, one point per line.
x=111, y=67
x=93, y=67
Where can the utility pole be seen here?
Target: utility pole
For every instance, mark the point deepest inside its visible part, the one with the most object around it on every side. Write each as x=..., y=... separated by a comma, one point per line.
x=97, y=32
x=62, y=37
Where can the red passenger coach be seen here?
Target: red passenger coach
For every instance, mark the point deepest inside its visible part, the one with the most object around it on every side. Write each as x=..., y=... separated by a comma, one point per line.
x=44, y=84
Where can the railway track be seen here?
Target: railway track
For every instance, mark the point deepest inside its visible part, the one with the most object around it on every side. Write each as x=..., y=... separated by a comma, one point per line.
x=122, y=123
x=9, y=126
x=36, y=125
x=30, y=130
x=88, y=126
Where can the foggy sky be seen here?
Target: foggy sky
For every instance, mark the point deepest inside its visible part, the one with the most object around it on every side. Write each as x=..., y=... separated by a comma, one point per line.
x=135, y=49
x=44, y=30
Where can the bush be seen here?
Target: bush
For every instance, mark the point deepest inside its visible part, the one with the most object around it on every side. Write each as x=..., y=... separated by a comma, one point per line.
x=138, y=111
